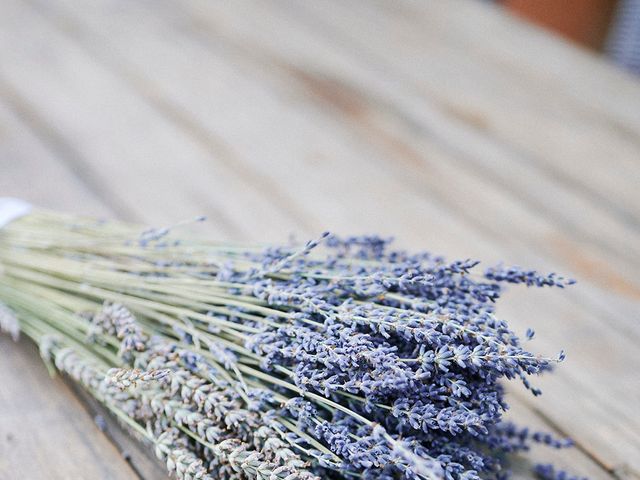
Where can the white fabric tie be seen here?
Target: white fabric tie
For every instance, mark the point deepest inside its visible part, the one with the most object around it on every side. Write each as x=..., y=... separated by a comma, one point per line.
x=12, y=209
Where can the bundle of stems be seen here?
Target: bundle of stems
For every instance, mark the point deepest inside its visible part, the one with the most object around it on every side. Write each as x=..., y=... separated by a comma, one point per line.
x=335, y=359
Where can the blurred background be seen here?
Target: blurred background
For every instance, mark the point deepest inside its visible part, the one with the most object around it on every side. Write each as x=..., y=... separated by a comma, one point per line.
x=504, y=131
x=606, y=26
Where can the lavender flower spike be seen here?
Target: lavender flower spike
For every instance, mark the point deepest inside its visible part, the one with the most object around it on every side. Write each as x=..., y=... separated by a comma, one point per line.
x=124, y=378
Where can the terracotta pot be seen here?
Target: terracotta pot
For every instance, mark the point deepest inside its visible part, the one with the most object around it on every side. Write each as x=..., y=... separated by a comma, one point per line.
x=583, y=21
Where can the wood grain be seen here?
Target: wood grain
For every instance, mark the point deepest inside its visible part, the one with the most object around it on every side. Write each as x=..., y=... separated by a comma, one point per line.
x=417, y=121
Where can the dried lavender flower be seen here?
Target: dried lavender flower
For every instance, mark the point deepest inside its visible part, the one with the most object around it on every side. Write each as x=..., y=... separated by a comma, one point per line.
x=243, y=460
x=549, y=472
x=115, y=319
x=179, y=459
x=124, y=378
x=341, y=358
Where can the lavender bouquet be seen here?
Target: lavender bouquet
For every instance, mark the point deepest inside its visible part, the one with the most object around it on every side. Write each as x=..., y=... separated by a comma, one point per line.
x=338, y=359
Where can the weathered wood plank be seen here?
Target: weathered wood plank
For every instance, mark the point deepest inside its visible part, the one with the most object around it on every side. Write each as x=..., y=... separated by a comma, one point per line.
x=30, y=170
x=575, y=77
x=151, y=163
x=533, y=92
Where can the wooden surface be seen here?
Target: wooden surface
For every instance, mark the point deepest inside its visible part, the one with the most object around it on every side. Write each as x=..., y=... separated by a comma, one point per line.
x=454, y=128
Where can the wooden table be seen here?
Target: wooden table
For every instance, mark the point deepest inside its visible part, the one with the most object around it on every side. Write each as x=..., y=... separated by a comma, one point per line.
x=449, y=125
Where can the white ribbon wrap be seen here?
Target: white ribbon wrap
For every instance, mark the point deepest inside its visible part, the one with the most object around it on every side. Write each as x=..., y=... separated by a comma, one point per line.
x=12, y=209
